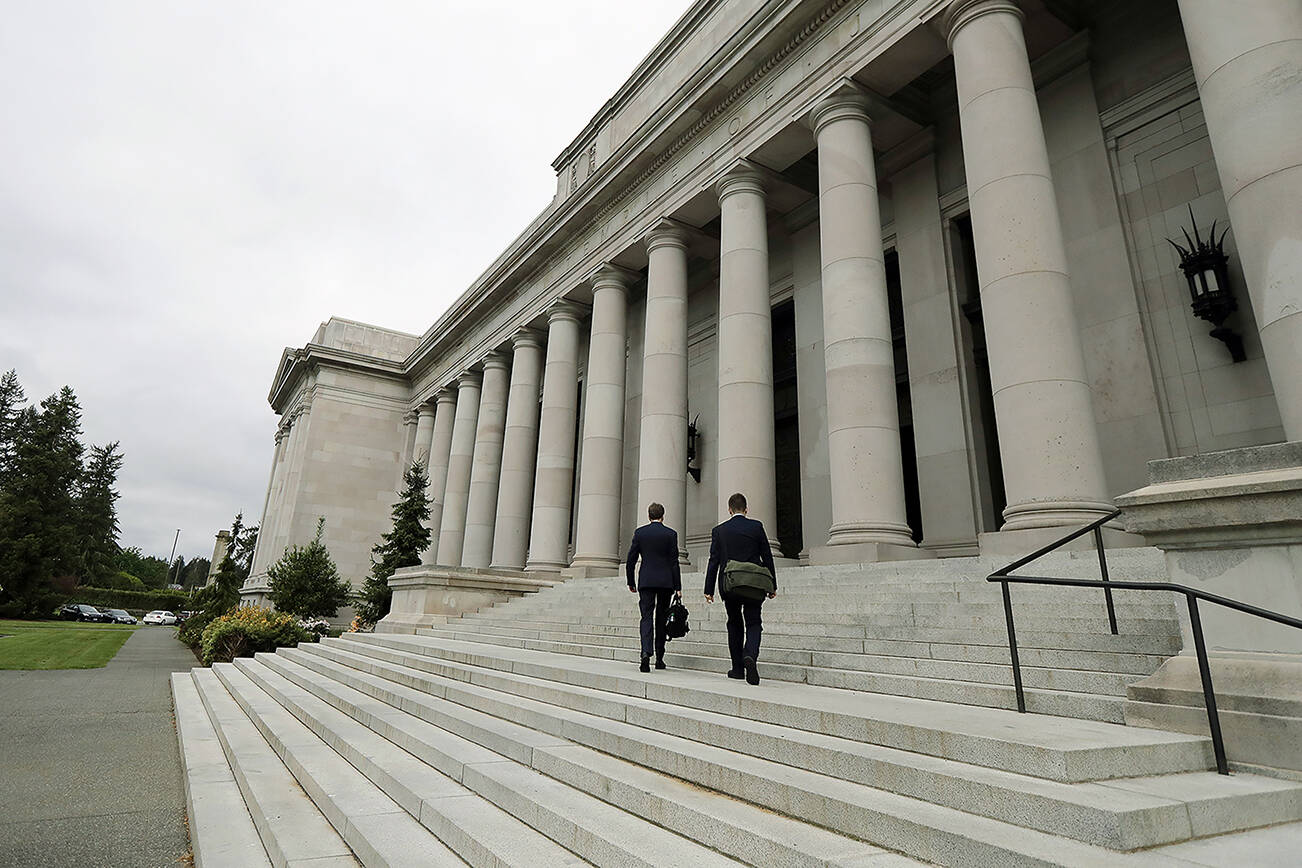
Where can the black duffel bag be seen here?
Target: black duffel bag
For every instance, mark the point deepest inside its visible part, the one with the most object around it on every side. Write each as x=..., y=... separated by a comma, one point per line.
x=676, y=622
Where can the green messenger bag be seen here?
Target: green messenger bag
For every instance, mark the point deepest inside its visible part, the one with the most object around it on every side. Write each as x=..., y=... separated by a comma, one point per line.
x=748, y=581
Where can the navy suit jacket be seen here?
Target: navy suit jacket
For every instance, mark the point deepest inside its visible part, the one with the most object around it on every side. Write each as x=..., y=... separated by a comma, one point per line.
x=738, y=539
x=657, y=546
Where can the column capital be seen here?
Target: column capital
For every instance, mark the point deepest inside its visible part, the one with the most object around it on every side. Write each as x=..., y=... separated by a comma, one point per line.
x=445, y=396
x=963, y=12
x=608, y=276
x=563, y=310
x=424, y=410
x=847, y=101
x=745, y=177
x=469, y=378
x=496, y=360
x=526, y=338
x=410, y=417
x=280, y=434
x=666, y=233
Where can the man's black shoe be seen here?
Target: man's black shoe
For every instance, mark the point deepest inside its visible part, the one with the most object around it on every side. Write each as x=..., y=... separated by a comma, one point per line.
x=646, y=664
x=736, y=673
x=752, y=674
x=660, y=663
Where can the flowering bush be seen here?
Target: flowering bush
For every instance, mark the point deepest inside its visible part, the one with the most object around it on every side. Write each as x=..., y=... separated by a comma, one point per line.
x=317, y=626
x=250, y=629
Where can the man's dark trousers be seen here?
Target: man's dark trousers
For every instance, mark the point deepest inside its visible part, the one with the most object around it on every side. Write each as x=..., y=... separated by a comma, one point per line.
x=743, y=619
x=655, y=600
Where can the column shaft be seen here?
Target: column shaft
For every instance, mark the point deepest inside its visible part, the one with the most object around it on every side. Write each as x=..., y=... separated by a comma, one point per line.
x=259, y=553
x=486, y=470
x=1053, y=469
x=553, y=491
x=289, y=494
x=662, y=450
x=596, y=539
x=863, y=425
x=746, y=448
x=461, y=456
x=1247, y=60
x=439, y=455
x=519, y=455
x=424, y=431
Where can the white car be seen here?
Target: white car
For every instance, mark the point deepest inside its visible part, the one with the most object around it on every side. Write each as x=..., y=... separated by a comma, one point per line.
x=158, y=616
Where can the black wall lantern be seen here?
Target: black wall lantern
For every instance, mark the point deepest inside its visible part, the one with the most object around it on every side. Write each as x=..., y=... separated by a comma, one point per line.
x=1205, y=266
x=693, y=453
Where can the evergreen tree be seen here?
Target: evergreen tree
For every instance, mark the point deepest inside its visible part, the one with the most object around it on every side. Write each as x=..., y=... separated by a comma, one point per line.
x=97, y=518
x=149, y=569
x=38, y=514
x=400, y=547
x=196, y=573
x=11, y=409
x=305, y=581
x=223, y=594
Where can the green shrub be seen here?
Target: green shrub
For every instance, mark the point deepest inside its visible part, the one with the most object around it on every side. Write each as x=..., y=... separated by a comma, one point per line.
x=191, y=632
x=123, y=582
x=248, y=630
x=139, y=601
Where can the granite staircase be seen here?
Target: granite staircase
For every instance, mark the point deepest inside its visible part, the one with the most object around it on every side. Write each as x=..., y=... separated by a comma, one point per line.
x=880, y=736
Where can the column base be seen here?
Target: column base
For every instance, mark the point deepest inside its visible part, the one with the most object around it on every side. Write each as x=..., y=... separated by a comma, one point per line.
x=588, y=567
x=424, y=596
x=545, y=566
x=865, y=553
x=888, y=533
x=1013, y=544
x=1062, y=516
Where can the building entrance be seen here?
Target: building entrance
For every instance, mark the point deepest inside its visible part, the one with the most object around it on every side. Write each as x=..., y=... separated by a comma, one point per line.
x=786, y=432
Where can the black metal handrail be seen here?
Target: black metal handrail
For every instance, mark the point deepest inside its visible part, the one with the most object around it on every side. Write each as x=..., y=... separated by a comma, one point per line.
x=1192, y=596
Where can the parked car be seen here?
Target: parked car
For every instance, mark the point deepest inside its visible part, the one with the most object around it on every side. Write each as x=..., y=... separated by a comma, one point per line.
x=119, y=616
x=182, y=617
x=82, y=612
x=158, y=616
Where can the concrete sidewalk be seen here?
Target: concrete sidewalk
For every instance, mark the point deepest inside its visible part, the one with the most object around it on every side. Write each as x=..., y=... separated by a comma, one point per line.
x=90, y=764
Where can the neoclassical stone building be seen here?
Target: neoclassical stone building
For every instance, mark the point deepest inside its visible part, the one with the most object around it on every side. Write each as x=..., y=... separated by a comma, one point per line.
x=898, y=271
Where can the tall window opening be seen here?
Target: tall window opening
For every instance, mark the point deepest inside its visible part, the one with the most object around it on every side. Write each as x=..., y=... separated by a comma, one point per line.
x=903, y=397
x=786, y=431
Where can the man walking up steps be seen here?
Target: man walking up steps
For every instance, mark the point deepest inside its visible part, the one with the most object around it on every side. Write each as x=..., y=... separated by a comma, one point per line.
x=657, y=581
x=740, y=557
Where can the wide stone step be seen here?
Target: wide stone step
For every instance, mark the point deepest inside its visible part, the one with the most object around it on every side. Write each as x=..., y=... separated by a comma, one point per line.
x=787, y=664
x=292, y=829
x=1056, y=748
x=376, y=828
x=732, y=827
x=221, y=830
x=1123, y=814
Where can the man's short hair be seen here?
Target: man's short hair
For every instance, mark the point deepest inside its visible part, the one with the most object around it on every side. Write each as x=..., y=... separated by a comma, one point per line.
x=655, y=512
x=737, y=503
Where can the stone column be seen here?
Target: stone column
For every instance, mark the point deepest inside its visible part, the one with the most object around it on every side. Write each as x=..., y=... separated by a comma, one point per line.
x=486, y=470
x=863, y=425
x=596, y=537
x=439, y=454
x=1053, y=469
x=293, y=472
x=746, y=449
x=662, y=452
x=424, y=433
x=553, y=491
x=461, y=455
x=268, y=502
x=1247, y=60
x=410, y=420
x=519, y=454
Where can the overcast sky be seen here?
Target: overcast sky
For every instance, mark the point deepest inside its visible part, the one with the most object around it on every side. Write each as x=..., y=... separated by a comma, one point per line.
x=187, y=188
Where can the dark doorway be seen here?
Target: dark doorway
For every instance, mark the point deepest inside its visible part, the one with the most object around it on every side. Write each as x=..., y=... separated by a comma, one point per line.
x=786, y=431
x=903, y=398
x=981, y=401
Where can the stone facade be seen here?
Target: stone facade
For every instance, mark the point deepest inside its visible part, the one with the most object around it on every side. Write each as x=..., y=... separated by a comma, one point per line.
x=903, y=265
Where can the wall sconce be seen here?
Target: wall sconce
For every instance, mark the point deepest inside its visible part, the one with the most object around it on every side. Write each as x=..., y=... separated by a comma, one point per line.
x=1204, y=264
x=693, y=453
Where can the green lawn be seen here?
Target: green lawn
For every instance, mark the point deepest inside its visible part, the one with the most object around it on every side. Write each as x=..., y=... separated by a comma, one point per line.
x=59, y=644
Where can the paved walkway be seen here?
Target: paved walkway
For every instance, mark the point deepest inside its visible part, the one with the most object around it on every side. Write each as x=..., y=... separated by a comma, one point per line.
x=89, y=761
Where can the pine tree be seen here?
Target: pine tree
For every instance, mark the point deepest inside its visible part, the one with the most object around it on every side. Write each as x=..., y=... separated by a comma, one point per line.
x=38, y=515
x=401, y=547
x=97, y=519
x=223, y=594
x=305, y=581
x=11, y=410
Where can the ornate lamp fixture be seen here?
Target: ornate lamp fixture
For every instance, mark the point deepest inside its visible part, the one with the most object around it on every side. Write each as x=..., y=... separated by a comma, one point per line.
x=693, y=454
x=1205, y=266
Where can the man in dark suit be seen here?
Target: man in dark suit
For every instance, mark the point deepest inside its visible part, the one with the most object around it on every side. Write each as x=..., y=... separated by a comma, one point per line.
x=740, y=539
x=657, y=581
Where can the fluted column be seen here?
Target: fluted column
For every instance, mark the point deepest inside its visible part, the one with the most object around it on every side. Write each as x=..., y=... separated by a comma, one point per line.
x=263, y=543
x=519, y=454
x=439, y=453
x=553, y=491
x=486, y=470
x=662, y=449
x=1246, y=59
x=424, y=432
x=410, y=421
x=1053, y=469
x=746, y=449
x=863, y=424
x=596, y=537
x=461, y=456
x=298, y=454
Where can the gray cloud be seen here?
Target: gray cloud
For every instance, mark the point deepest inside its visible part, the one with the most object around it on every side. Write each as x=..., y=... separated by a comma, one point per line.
x=187, y=188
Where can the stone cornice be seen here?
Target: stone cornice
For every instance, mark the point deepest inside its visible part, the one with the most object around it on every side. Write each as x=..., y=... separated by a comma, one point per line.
x=295, y=363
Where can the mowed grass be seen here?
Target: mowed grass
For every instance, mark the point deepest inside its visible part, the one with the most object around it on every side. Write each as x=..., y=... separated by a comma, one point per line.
x=59, y=644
